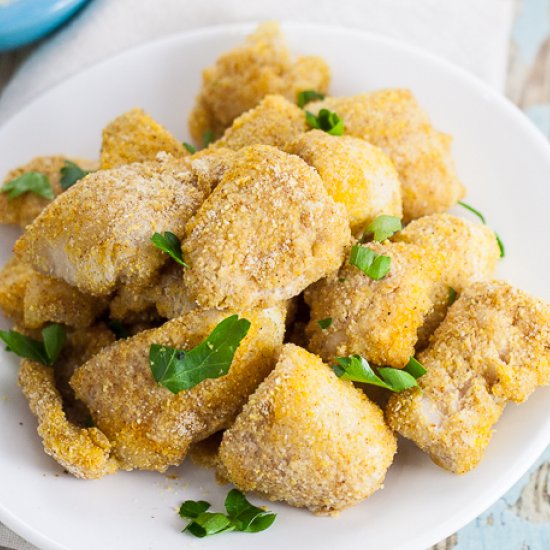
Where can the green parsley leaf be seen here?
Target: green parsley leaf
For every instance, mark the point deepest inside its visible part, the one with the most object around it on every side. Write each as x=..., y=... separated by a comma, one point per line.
x=415, y=368
x=241, y=516
x=29, y=182
x=326, y=120
x=369, y=262
x=179, y=370
x=383, y=227
x=357, y=369
x=452, y=296
x=246, y=517
x=210, y=523
x=307, y=96
x=119, y=329
x=70, y=174
x=45, y=352
x=170, y=244
x=193, y=508
x=191, y=148
x=207, y=138
x=325, y=323
x=482, y=219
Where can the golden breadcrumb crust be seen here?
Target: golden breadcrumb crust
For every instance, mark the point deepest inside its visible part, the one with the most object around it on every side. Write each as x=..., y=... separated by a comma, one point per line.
x=355, y=173
x=274, y=121
x=14, y=278
x=241, y=78
x=148, y=426
x=265, y=233
x=376, y=319
x=493, y=346
x=136, y=137
x=24, y=209
x=393, y=120
x=308, y=438
x=97, y=235
x=84, y=452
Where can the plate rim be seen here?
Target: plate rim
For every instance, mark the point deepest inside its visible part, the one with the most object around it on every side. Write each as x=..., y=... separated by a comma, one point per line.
x=529, y=455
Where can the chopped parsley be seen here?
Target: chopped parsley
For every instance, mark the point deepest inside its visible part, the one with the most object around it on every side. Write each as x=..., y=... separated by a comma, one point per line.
x=29, y=182
x=179, y=370
x=383, y=227
x=45, y=352
x=170, y=244
x=375, y=266
x=357, y=369
x=325, y=323
x=240, y=515
x=452, y=296
x=308, y=96
x=326, y=120
x=191, y=148
x=208, y=137
x=484, y=222
x=70, y=174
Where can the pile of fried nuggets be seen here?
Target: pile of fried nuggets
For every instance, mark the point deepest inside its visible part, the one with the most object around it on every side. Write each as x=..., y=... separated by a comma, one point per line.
x=267, y=215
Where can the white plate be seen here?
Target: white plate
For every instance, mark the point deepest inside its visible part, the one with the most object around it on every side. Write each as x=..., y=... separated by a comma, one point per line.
x=502, y=159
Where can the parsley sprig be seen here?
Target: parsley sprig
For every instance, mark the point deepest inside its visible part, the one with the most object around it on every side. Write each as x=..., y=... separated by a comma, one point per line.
x=191, y=148
x=170, y=244
x=241, y=516
x=179, y=370
x=484, y=222
x=208, y=137
x=307, y=96
x=383, y=227
x=325, y=323
x=326, y=120
x=45, y=352
x=357, y=369
x=70, y=174
x=29, y=182
x=376, y=266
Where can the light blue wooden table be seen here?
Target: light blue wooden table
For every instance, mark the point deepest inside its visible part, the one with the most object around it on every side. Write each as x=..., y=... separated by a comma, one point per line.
x=520, y=520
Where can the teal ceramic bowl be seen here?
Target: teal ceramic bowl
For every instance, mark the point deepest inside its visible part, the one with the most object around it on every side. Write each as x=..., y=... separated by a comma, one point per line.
x=23, y=21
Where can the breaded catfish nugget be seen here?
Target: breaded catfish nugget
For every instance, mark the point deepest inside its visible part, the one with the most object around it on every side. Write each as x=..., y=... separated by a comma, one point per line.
x=266, y=232
x=355, y=173
x=492, y=347
x=242, y=77
x=394, y=121
x=274, y=121
x=136, y=137
x=24, y=209
x=376, y=319
x=84, y=452
x=308, y=438
x=97, y=235
x=151, y=428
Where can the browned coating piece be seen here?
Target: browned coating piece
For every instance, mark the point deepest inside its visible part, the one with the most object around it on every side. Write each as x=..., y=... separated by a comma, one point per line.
x=241, y=78
x=308, y=438
x=151, y=428
x=265, y=233
x=493, y=346
x=394, y=121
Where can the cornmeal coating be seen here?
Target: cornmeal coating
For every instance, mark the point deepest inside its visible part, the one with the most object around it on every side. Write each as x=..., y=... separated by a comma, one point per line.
x=171, y=298
x=136, y=137
x=355, y=173
x=274, y=121
x=393, y=120
x=376, y=319
x=492, y=347
x=24, y=209
x=265, y=233
x=241, y=78
x=471, y=250
x=308, y=438
x=97, y=235
x=14, y=278
x=151, y=428
x=84, y=452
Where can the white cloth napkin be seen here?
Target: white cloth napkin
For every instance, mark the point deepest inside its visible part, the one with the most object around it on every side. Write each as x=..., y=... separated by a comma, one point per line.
x=471, y=33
